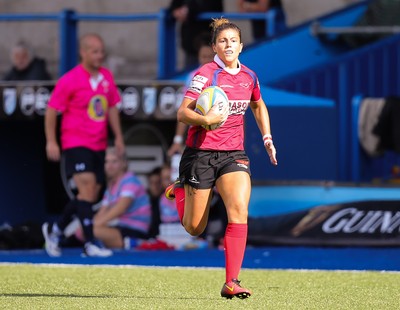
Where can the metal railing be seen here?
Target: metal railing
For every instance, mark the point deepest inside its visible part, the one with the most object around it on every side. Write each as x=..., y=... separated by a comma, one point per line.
x=68, y=21
x=316, y=29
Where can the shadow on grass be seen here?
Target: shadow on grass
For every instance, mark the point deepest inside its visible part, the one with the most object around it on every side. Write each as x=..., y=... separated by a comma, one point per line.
x=33, y=295
x=57, y=295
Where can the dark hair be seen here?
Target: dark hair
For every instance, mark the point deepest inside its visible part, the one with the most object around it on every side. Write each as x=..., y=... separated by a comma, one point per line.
x=155, y=171
x=220, y=24
x=203, y=39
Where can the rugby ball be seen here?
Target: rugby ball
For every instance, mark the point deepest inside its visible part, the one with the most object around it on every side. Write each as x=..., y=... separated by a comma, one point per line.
x=210, y=97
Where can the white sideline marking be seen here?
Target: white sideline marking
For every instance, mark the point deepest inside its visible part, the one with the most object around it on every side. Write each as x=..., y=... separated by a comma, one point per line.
x=179, y=267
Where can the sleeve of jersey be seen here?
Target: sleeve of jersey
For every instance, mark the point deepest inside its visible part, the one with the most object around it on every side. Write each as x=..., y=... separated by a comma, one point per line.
x=114, y=96
x=199, y=81
x=128, y=189
x=60, y=95
x=256, y=94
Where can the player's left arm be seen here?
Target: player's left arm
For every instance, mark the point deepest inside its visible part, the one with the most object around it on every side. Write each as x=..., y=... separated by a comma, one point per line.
x=115, y=124
x=261, y=115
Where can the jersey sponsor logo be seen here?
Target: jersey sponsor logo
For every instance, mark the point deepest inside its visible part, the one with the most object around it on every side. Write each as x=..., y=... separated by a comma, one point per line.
x=238, y=106
x=196, y=86
x=97, y=108
x=193, y=180
x=226, y=86
x=245, y=85
x=242, y=163
x=80, y=167
x=200, y=78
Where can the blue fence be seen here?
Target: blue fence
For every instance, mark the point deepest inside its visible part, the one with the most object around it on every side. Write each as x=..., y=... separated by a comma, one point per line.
x=68, y=22
x=372, y=71
x=297, y=49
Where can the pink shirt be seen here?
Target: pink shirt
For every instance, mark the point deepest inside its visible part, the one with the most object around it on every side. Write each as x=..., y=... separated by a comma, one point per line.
x=241, y=87
x=84, y=105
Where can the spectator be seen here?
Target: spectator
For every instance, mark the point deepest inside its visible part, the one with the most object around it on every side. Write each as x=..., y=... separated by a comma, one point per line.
x=258, y=6
x=168, y=212
x=154, y=190
x=205, y=52
x=87, y=97
x=125, y=209
x=185, y=13
x=25, y=66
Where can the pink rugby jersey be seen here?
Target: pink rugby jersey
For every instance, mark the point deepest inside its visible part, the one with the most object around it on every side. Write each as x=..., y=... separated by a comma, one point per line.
x=241, y=87
x=84, y=104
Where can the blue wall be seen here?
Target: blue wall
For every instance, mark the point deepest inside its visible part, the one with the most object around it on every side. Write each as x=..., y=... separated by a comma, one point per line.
x=21, y=165
x=304, y=130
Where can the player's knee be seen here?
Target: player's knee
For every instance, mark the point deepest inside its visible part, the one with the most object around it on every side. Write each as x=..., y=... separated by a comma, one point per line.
x=193, y=229
x=237, y=213
x=88, y=193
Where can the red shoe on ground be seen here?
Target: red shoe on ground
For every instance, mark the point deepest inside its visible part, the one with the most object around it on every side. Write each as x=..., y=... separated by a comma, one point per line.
x=233, y=288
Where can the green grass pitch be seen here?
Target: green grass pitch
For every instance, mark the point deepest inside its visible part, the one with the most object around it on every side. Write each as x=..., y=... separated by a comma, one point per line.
x=128, y=287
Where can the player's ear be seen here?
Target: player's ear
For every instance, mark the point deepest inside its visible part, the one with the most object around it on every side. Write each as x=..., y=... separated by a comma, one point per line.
x=241, y=47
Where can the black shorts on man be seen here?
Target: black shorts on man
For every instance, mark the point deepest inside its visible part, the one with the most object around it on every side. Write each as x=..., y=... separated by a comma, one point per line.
x=81, y=159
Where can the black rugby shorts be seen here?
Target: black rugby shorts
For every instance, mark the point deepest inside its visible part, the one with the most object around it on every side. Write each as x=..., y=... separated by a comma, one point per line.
x=200, y=169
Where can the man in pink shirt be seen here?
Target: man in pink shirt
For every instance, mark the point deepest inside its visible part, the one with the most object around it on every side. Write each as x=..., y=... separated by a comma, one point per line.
x=87, y=98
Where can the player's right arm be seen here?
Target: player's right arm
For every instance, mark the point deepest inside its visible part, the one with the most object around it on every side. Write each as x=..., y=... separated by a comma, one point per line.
x=187, y=115
x=57, y=103
x=50, y=128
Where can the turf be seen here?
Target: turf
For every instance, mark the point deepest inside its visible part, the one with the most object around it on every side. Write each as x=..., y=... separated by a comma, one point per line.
x=126, y=287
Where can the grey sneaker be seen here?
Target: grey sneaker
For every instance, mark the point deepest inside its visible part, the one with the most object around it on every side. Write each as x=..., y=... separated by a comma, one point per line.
x=50, y=241
x=93, y=250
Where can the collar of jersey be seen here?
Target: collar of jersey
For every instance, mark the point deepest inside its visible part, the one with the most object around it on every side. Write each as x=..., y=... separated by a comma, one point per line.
x=222, y=65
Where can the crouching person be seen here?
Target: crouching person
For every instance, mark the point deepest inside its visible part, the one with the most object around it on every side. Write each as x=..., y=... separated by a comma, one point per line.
x=123, y=219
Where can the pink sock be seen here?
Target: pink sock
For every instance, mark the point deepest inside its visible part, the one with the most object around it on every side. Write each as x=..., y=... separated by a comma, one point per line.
x=235, y=245
x=180, y=201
